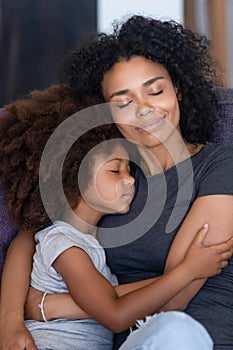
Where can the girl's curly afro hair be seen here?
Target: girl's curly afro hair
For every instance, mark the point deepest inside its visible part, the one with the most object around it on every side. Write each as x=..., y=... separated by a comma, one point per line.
x=25, y=128
x=184, y=54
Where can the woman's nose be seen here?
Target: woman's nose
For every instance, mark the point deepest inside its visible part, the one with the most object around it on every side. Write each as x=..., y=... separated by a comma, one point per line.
x=144, y=108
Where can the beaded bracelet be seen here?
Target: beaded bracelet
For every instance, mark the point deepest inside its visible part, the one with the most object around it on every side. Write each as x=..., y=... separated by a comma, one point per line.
x=41, y=306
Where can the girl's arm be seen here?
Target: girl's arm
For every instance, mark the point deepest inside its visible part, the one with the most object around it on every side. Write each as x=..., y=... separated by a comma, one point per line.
x=14, y=288
x=63, y=305
x=98, y=298
x=217, y=211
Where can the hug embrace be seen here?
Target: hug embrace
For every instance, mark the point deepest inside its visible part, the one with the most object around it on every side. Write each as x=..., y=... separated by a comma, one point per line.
x=149, y=192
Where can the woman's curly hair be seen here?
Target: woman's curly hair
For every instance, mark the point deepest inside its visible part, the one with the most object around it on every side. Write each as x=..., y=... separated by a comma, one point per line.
x=25, y=128
x=185, y=55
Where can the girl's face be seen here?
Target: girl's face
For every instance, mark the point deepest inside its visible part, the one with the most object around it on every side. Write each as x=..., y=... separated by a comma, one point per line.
x=112, y=187
x=143, y=100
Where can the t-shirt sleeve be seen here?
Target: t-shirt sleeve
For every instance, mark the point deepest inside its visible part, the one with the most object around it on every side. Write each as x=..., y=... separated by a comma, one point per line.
x=55, y=243
x=216, y=175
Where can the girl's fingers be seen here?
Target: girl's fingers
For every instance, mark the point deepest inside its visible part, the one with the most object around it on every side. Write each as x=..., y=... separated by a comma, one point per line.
x=226, y=255
x=225, y=246
x=224, y=264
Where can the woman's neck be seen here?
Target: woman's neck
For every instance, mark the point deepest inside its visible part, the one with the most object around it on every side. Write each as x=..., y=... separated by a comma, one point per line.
x=164, y=156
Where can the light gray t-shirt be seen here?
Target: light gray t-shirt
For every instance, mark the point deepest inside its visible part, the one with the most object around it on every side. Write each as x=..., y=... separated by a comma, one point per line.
x=64, y=334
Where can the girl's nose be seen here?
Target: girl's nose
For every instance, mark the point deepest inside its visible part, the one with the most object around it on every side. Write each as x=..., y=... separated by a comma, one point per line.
x=129, y=180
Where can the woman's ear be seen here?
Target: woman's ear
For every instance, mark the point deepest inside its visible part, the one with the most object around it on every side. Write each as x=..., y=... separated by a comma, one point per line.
x=178, y=95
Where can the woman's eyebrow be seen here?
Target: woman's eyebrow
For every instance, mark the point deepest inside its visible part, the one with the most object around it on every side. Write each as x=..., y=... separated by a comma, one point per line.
x=151, y=81
x=125, y=91
x=118, y=93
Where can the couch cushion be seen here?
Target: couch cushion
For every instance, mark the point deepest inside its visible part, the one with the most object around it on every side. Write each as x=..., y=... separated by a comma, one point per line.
x=7, y=231
x=223, y=129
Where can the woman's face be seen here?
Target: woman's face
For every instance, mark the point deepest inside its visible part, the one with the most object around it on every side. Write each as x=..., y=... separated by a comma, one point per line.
x=143, y=100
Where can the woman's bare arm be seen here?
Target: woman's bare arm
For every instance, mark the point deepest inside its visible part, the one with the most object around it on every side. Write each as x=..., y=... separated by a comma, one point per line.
x=63, y=306
x=14, y=288
x=217, y=211
x=98, y=298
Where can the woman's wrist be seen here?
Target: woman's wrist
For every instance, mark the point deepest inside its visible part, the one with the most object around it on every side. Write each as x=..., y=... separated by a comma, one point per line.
x=62, y=306
x=52, y=306
x=12, y=318
x=41, y=307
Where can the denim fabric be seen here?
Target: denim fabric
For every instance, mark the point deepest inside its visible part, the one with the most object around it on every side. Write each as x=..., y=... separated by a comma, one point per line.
x=169, y=331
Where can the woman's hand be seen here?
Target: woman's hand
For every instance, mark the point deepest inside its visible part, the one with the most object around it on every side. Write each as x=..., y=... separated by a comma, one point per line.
x=14, y=286
x=15, y=336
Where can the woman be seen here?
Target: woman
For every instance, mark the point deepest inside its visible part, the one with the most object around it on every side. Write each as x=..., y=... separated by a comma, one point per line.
x=159, y=79
x=68, y=248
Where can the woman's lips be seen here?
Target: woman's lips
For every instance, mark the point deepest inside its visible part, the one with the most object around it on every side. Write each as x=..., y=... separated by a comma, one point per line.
x=151, y=125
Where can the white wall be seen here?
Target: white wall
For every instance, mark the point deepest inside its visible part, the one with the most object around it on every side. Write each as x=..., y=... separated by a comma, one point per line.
x=110, y=10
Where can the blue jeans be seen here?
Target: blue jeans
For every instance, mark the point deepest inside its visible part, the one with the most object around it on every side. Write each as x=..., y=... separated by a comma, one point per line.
x=170, y=330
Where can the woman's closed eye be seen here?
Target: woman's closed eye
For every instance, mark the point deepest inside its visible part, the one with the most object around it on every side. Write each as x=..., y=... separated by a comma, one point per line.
x=126, y=104
x=123, y=105
x=156, y=93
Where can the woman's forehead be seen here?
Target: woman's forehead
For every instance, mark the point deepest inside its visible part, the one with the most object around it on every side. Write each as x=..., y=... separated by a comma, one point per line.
x=126, y=75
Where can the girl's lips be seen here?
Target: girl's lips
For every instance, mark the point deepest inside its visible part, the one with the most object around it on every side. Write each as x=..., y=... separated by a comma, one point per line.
x=151, y=124
x=129, y=194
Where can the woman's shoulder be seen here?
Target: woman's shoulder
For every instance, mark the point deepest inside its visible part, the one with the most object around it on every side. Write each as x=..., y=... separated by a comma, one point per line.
x=213, y=168
x=215, y=151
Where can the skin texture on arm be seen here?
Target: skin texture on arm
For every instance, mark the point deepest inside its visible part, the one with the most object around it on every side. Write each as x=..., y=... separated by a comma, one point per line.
x=99, y=299
x=62, y=305
x=14, y=288
x=217, y=211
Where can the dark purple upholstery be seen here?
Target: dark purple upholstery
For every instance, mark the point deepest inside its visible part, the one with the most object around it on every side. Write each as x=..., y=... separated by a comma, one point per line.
x=223, y=133
x=7, y=231
x=223, y=129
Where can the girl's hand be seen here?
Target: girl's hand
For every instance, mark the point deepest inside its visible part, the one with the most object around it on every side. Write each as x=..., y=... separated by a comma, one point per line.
x=207, y=261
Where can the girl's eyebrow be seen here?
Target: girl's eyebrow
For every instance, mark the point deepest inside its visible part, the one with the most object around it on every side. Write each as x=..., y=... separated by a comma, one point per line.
x=113, y=159
x=125, y=91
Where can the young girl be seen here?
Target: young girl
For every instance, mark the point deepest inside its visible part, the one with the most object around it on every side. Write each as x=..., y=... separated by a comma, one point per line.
x=96, y=181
